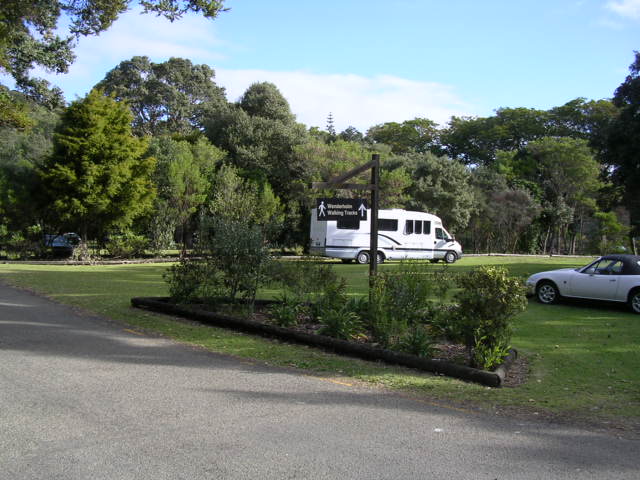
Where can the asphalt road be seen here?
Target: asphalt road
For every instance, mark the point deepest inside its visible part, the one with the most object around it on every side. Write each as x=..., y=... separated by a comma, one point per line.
x=84, y=398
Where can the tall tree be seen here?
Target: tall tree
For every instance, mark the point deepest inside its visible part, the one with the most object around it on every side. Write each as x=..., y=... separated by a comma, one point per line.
x=623, y=143
x=441, y=186
x=183, y=176
x=97, y=178
x=419, y=135
x=475, y=141
x=29, y=30
x=260, y=134
x=22, y=152
x=172, y=97
x=569, y=176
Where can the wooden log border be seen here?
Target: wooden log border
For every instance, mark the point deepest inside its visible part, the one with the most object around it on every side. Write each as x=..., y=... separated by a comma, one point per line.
x=366, y=352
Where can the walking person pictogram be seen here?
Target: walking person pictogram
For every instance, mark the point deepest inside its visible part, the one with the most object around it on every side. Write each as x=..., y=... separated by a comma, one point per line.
x=321, y=209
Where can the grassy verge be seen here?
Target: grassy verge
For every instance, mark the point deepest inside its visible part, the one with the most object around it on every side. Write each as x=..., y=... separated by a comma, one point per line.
x=585, y=360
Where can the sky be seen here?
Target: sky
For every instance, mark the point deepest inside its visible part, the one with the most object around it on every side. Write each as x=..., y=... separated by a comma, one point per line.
x=372, y=61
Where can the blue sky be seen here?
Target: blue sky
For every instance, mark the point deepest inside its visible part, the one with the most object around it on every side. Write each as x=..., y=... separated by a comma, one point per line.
x=373, y=61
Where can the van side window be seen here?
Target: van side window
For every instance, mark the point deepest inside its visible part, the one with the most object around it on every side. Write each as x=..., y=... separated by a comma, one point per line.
x=426, y=227
x=439, y=234
x=348, y=223
x=418, y=227
x=408, y=227
x=387, y=225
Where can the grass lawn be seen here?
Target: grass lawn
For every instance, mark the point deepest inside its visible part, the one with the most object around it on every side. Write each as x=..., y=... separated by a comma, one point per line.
x=585, y=359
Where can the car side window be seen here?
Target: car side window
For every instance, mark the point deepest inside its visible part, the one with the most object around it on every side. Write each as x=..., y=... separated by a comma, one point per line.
x=616, y=268
x=592, y=269
x=605, y=267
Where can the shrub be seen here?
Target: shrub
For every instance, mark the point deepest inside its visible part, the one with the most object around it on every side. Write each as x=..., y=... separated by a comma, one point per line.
x=286, y=313
x=417, y=341
x=402, y=300
x=486, y=305
x=304, y=280
x=194, y=280
x=232, y=259
x=126, y=245
x=340, y=323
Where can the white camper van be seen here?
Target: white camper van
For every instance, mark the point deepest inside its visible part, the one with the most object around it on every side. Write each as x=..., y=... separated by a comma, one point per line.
x=401, y=235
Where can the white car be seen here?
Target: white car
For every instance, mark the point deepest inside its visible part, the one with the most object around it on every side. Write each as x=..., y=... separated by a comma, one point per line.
x=613, y=278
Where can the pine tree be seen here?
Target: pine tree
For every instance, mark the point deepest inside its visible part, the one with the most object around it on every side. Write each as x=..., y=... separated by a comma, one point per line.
x=331, y=129
x=97, y=178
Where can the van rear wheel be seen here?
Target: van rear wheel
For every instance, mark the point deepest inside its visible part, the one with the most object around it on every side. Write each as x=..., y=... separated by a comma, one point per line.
x=363, y=258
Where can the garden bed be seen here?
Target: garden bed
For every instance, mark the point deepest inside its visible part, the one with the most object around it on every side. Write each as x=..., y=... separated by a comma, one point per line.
x=305, y=334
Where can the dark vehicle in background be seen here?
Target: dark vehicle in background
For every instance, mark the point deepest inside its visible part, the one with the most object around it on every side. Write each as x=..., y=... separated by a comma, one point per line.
x=62, y=245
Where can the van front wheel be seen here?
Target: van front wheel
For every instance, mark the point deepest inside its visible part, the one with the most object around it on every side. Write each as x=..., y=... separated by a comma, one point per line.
x=450, y=257
x=363, y=258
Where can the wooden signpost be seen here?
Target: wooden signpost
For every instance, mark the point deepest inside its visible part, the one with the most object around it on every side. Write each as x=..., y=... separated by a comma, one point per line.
x=338, y=183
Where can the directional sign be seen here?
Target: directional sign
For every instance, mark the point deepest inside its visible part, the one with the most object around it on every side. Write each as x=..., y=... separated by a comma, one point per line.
x=339, y=208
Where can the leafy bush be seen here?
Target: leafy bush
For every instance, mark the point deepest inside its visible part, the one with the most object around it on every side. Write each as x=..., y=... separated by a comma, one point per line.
x=486, y=305
x=286, y=313
x=231, y=261
x=241, y=253
x=340, y=323
x=126, y=245
x=417, y=341
x=402, y=300
x=194, y=280
x=304, y=280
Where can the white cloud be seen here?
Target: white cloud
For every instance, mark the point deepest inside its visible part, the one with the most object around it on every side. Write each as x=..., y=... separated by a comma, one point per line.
x=352, y=99
x=625, y=8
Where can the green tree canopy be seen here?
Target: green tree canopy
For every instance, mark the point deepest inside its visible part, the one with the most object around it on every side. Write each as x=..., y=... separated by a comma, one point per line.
x=29, y=29
x=623, y=144
x=172, y=97
x=97, y=178
x=22, y=151
x=441, y=186
x=419, y=135
x=265, y=100
x=261, y=140
x=183, y=175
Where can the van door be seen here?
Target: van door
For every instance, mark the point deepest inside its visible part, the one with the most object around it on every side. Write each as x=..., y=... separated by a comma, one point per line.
x=417, y=239
x=442, y=240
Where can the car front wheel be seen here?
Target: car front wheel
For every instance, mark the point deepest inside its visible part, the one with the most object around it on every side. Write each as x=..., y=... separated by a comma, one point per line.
x=634, y=301
x=547, y=293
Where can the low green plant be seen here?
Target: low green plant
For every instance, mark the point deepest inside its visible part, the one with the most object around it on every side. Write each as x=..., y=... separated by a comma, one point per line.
x=305, y=280
x=340, y=323
x=417, y=341
x=487, y=354
x=126, y=245
x=402, y=299
x=286, y=312
x=194, y=280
